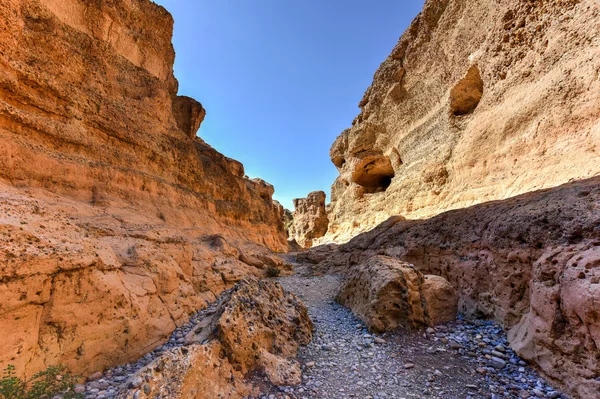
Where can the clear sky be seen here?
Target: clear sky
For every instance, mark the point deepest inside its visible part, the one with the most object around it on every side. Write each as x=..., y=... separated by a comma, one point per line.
x=281, y=79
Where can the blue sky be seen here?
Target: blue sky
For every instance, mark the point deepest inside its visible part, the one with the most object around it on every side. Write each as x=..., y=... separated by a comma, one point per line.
x=281, y=79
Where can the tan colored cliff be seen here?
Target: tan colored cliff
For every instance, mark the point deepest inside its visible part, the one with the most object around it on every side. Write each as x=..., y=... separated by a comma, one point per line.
x=530, y=262
x=479, y=100
x=116, y=221
x=309, y=221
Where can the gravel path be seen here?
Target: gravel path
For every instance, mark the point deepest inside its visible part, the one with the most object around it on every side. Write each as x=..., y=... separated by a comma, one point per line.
x=456, y=360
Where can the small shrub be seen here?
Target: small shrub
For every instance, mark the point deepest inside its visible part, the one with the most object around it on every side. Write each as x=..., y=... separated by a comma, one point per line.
x=272, y=271
x=47, y=384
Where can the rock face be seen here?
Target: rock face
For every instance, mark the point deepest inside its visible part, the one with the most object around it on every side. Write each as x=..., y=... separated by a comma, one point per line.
x=116, y=221
x=387, y=293
x=530, y=262
x=310, y=219
x=479, y=100
x=256, y=327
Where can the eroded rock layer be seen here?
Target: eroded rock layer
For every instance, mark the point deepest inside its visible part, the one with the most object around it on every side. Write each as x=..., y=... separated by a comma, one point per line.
x=530, y=262
x=387, y=293
x=116, y=221
x=479, y=100
x=257, y=327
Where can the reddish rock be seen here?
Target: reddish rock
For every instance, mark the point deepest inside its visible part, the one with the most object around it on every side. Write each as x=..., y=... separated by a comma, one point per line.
x=109, y=202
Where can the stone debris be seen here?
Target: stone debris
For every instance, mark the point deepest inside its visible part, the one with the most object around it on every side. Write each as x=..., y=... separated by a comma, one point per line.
x=529, y=262
x=344, y=361
x=256, y=327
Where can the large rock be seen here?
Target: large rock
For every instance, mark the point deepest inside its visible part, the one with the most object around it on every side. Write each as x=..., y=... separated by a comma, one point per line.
x=256, y=327
x=439, y=299
x=116, y=221
x=387, y=293
x=310, y=219
x=529, y=262
x=479, y=100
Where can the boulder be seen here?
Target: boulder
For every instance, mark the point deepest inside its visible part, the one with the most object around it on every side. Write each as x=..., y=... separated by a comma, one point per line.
x=440, y=300
x=256, y=327
x=532, y=263
x=387, y=293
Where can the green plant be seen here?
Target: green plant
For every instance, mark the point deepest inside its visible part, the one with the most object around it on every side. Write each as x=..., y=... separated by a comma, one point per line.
x=272, y=271
x=11, y=386
x=54, y=381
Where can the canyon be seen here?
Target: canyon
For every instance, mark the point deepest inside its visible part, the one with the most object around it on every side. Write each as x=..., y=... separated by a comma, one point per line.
x=468, y=187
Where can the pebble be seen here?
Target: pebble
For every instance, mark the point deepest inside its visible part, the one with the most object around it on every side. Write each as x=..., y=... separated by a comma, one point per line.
x=136, y=382
x=497, y=362
x=95, y=376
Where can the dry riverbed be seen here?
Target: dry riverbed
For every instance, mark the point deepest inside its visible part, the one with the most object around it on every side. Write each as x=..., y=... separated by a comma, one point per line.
x=461, y=359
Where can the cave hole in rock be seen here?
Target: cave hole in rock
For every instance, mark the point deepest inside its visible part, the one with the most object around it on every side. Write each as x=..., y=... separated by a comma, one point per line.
x=374, y=173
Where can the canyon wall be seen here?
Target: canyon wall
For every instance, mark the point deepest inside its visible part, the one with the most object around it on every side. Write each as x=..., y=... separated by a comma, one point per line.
x=116, y=221
x=479, y=100
x=531, y=262
x=309, y=221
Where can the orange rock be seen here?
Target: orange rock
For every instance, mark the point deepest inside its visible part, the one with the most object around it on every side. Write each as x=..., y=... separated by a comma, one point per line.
x=109, y=203
x=387, y=293
x=256, y=327
x=310, y=219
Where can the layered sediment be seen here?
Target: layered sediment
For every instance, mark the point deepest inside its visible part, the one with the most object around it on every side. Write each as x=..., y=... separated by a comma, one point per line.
x=479, y=100
x=116, y=221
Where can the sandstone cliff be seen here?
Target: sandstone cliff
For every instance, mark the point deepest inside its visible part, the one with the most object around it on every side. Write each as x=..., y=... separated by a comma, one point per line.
x=309, y=220
x=530, y=262
x=479, y=100
x=116, y=221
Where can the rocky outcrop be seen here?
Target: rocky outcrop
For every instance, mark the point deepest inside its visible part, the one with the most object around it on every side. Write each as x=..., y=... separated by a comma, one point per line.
x=116, y=221
x=478, y=101
x=256, y=327
x=310, y=220
x=387, y=293
x=529, y=262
